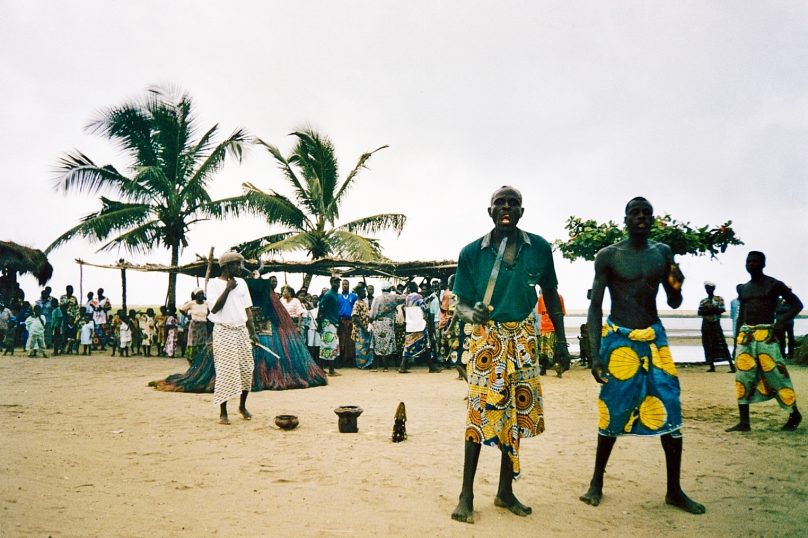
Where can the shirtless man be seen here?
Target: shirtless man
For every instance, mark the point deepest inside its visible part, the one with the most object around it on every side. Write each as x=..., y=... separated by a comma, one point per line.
x=639, y=392
x=761, y=373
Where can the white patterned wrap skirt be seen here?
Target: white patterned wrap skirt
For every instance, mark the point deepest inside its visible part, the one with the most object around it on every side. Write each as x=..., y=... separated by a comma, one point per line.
x=233, y=361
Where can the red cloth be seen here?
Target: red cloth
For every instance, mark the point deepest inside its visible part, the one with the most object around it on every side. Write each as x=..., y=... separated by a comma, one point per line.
x=546, y=323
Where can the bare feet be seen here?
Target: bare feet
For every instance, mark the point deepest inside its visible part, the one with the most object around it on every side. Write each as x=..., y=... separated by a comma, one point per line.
x=593, y=496
x=224, y=420
x=794, y=420
x=510, y=502
x=244, y=413
x=464, y=511
x=680, y=500
x=739, y=427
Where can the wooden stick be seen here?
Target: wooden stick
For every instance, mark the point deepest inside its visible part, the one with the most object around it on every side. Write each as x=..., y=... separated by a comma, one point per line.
x=208, y=270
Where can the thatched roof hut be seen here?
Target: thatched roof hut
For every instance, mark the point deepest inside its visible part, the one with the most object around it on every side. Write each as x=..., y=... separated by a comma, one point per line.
x=19, y=259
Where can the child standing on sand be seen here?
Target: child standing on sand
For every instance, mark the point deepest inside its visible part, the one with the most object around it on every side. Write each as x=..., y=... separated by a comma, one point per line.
x=124, y=334
x=87, y=333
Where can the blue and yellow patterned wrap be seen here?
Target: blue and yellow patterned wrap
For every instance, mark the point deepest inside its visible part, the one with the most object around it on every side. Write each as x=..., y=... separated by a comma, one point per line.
x=641, y=395
x=761, y=374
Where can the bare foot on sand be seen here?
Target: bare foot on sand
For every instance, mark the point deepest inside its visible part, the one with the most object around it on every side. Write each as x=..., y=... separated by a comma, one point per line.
x=224, y=420
x=464, y=511
x=680, y=500
x=594, y=494
x=244, y=413
x=512, y=503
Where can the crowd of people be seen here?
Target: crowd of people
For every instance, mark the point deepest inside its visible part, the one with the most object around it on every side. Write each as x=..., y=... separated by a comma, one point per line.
x=64, y=326
x=403, y=325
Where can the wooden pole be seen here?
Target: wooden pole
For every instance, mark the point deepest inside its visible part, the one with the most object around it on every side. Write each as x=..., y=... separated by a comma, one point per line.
x=123, y=289
x=208, y=269
x=81, y=283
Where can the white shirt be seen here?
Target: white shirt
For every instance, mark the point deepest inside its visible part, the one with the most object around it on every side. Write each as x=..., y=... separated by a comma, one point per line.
x=234, y=310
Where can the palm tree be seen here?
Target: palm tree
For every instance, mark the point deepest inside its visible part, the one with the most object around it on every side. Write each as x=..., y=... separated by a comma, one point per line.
x=163, y=190
x=311, y=217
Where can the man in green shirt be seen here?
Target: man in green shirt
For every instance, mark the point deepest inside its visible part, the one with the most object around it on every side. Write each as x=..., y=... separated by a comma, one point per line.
x=504, y=402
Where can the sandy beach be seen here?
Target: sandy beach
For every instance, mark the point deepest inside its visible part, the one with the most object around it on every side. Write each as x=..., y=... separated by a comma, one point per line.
x=90, y=450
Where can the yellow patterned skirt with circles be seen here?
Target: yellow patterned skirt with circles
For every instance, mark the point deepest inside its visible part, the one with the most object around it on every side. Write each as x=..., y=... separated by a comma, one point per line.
x=761, y=373
x=505, y=401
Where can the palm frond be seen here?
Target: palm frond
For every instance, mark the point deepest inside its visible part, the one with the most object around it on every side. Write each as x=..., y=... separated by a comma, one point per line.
x=130, y=126
x=276, y=208
x=349, y=179
x=302, y=196
x=139, y=240
x=354, y=247
x=256, y=247
x=233, y=145
x=114, y=216
x=314, y=154
x=375, y=224
x=77, y=171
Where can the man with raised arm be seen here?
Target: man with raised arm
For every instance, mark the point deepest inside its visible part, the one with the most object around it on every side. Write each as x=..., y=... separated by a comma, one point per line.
x=639, y=392
x=761, y=373
x=496, y=289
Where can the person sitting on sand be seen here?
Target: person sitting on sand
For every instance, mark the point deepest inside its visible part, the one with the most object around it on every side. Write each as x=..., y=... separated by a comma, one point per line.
x=233, y=335
x=761, y=373
x=639, y=393
x=504, y=387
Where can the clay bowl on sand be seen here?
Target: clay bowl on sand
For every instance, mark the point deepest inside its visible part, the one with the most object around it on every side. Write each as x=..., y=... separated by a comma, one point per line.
x=286, y=422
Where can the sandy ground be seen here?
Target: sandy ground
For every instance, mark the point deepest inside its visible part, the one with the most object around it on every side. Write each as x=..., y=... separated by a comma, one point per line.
x=89, y=450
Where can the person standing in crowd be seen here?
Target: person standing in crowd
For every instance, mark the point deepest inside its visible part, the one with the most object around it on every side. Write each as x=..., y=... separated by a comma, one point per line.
x=631, y=360
x=72, y=314
x=785, y=334
x=45, y=303
x=160, y=330
x=712, y=335
x=328, y=319
x=292, y=305
x=137, y=333
x=57, y=326
x=149, y=331
x=762, y=373
x=382, y=316
x=360, y=319
x=346, y=344
x=233, y=336
x=5, y=319
x=35, y=324
x=124, y=333
x=547, y=335
x=172, y=326
x=415, y=336
x=197, y=309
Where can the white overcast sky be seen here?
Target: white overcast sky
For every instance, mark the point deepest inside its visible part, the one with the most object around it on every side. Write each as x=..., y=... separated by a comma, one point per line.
x=702, y=107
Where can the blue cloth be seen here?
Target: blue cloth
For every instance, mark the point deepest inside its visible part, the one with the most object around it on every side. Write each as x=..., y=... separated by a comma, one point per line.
x=641, y=395
x=346, y=303
x=734, y=309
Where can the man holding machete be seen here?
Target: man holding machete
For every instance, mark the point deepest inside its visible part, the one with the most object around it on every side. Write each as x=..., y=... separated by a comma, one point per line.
x=496, y=288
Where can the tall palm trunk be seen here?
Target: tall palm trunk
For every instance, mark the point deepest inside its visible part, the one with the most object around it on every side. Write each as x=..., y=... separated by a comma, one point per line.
x=123, y=289
x=171, y=295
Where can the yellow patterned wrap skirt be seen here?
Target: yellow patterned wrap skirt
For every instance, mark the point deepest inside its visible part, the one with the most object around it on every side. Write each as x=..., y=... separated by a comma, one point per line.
x=505, y=400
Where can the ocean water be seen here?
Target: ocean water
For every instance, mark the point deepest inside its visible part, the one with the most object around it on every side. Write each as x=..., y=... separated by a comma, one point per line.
x=675, y=327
